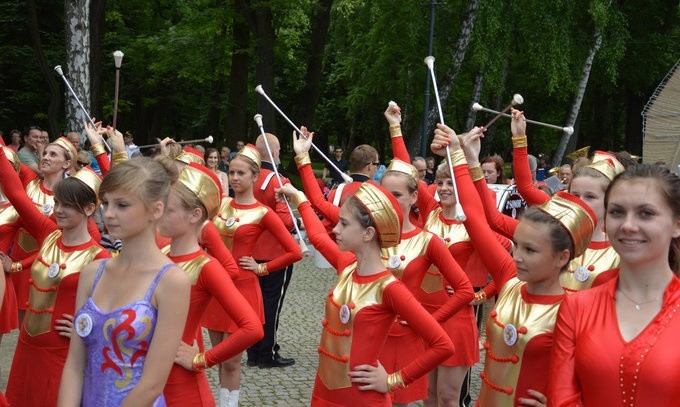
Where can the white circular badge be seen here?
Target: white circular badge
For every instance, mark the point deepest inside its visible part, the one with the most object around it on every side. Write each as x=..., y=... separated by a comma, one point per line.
x=394, y=261
x=46, y=208
x=230, y=222
x=581, y=274
x=345, y=314
x=510, y=335
x=53, y=270
x=83, y=325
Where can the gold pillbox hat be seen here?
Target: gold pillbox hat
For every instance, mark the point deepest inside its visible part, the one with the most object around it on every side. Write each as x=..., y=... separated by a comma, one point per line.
x=403, y=167
x=607, y=164
x=89, y=178
x=204, y=184
x=385, y=211
x=251, y=152
x=66, y=144
x=190, y=155
x=575, y=215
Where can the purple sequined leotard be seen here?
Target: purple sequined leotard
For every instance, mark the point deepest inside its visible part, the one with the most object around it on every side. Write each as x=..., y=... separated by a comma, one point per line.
x=116, y=344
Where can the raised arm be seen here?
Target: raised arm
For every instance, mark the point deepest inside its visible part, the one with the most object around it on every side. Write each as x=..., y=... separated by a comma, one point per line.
x=393, y=116
x=520, y=162
x=37, y=224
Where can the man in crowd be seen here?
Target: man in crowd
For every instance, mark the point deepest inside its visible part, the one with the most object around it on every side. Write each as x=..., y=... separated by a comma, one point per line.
x=32, y=150
x=341, y=163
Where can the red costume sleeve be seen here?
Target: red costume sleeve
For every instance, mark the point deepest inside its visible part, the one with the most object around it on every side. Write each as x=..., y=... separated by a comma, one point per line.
x=426, y=202
x=26, y=174
x=103, y=162
x=440, y=256
x=319, y=238
x=315, y=196
x=27, y=262
x=215, y=280
x=496, y=259
x=438, y=344
x=37, y=224
x=275, y=226
x=103, y=254
x=523, y=179
x=503, y=224
x=563, y=386
x=399, y=149
x=211, y=241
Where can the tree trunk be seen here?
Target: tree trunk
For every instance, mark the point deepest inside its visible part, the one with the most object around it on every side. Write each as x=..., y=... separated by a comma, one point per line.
x=576, y=105
x=217, y=86
x=238, y=78
x=476, y=94
x=97, y=26
x=458, y=57
x=76, y=18
x=634, y=136
x=264, y=67
x=54, y=109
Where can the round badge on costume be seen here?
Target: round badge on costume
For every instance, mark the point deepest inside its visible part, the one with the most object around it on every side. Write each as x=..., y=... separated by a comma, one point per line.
x=345, y=314
x=46, y=208
x=394, y=261
x=581, y=274
x=230, y=222
x=83, y=325
x=510, y=335
x=53, y=270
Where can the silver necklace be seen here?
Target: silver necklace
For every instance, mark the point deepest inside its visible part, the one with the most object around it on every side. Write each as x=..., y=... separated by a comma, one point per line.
x=637, y=304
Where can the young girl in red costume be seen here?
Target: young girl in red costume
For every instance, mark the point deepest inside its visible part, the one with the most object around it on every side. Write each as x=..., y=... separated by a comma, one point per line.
x=519, y=329
x=65, y=248
x=409, y=261
x=629, y=325
x=240, y=221
x=132, y=308
x=362, y=306
x=195, y=197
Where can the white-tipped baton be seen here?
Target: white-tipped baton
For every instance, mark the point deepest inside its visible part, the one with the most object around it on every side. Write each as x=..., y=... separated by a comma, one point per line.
x=458, y=215
x=567, y=129
x=517, y=99
x=68, y=85
x=345, y=177
x=301, y=241
x=208, y=140
x=118, y=60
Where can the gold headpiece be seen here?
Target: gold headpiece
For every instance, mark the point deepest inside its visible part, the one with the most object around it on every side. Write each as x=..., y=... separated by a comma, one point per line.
x=89, y=178
x=575, y=215
x=251, y=152
x=66, y=144
x=190, y=155
x=607, y=164
x=12, y=157
x=581, y=152
x=403, y=167
x=384, y=209
x=553, y=170
x=204, y=184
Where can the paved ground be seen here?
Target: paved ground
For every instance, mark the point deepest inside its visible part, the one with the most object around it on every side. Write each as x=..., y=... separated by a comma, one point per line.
x=299, y=338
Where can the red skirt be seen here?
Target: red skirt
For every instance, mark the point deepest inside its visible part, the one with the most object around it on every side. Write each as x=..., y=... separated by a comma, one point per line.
x=187, y=388
x=36, y=370
x=215, y=317
x=462, y=329
x=348, y=396
x=401, y=346
x=9, y=319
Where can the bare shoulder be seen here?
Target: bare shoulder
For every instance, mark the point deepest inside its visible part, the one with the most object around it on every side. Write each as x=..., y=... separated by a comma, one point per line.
x=174, y=279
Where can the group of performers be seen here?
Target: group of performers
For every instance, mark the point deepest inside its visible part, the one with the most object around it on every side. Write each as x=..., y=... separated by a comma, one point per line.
x=585, y=282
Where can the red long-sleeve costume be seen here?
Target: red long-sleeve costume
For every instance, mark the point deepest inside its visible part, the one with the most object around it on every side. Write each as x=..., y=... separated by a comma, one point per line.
x=410, y=262
x=240, y=226
x=374, y=302
x=209, y=280
x=519, y=329
x=267, y=246
x=41, y=352
x=9, y=226
x=592, y=365
x=523, y=178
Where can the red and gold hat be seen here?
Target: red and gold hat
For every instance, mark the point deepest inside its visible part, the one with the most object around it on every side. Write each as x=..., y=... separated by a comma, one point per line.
x=204, y=184
x=251, y=152
x=385, y=211
x=66, y=144
x=12, y=157
x=89, y=178
x=607, y=164
x=403, y=167
x=191, y=155
x=575, y=215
